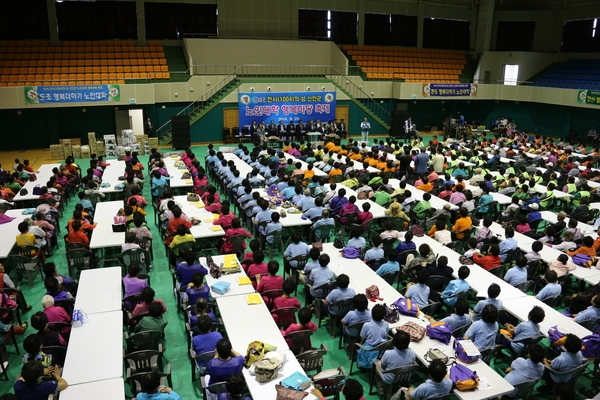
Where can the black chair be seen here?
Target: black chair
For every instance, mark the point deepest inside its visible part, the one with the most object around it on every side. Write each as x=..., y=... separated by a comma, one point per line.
x=332, y=386
x=300, y=341
x=375, y=263
x=312, y=360
x=59, y=353
x=401, y=377
x=343, y=307
x=146, y=340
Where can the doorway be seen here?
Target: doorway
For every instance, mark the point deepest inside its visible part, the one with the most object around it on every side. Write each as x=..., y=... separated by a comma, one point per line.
x=136, y=117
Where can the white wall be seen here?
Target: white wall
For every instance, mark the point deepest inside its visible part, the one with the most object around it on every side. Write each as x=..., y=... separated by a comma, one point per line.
x=529, y=64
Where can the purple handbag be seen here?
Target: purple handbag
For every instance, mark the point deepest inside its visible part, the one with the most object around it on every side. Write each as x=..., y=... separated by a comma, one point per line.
x=439, y=331
x=407, y=307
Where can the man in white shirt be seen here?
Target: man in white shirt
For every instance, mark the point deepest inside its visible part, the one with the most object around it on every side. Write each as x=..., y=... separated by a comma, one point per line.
x=365, y=126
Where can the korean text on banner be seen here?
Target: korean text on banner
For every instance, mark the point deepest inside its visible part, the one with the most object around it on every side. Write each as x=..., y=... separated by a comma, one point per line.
x=72, y=94
x=449, y=89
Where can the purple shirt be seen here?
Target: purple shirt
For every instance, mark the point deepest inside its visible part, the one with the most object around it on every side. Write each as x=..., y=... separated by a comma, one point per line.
x=133, y=285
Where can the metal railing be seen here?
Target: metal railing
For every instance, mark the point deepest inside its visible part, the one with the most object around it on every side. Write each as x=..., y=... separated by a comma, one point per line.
x=198, y=103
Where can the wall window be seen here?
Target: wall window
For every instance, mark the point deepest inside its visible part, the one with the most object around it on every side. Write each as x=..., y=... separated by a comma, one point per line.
x=581, y=35
x=515, y=35
x=378, y=29
x=173, y=20
x=446, y=34
x=338, y=26
x=96, y=20
x=25, y=19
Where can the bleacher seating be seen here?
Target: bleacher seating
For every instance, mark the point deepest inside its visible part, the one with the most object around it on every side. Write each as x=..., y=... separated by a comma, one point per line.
x=409, y=64
x=36, y=63
x=573, y=74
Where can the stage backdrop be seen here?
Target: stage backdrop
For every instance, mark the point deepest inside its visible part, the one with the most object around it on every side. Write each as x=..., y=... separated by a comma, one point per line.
x=285, y=106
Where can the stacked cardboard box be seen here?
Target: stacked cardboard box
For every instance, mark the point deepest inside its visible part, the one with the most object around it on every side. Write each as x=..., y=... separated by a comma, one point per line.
x=139, y=141
x=92, y=141
x=110, y=143
x=85, y=152
x=100, y=148
x=76, y=151
x=153, y=142
x=57, y=152
x=67, y=149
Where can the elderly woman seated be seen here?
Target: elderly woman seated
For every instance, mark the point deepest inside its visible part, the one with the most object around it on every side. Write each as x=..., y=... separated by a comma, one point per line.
x=56, y=314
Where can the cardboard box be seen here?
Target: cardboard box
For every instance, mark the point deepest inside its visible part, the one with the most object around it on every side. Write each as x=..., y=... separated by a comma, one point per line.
x=65, y=142
x=153, y=142
x=76, y=151
x=57, y=152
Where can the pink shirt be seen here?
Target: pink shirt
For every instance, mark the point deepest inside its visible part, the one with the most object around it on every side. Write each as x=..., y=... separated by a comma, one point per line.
x=142, y=308
x=270, y=283
x=311, y=326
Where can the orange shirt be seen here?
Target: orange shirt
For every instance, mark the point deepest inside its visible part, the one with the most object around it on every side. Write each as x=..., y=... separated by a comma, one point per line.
x=355, y=156
x=78, y=237
x=426, y=187
x=86, y=226
x=590, y=251
x=460, y=225
x=596, y=244
x=333, y=172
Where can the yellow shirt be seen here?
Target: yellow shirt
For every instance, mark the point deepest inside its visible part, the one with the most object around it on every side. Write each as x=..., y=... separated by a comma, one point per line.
x=178, y=239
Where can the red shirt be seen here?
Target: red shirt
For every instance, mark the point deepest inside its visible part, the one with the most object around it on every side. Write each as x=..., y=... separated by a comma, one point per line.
x=257, y=269
x=487, y=262
x=282, y=302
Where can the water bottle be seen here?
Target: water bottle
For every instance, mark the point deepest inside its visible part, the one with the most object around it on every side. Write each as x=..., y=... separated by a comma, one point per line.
x=77, y=318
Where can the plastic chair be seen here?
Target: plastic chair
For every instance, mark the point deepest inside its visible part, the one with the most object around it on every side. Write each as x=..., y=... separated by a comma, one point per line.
x=380, y=348
x=332, y=386
x=68, y=305
x=136, y=256
x=590, y=324
x=144, y=361
x=391, y=277
x=276, y=242
x=575, y=372
x=146, y=340
x=343, y=307
x=401, y=377
x=551, y=301
x=300, y=341
x=312, y=360
x=216, y=388
x=456, y=246
x=300, y=264
x=524, y=389
x=285, y=316
x=9, y=320
x=79, y=260
x=195, y=358
x=136, y=379
x=375, y=263
x=25, y=265
x=323, y=233
x=237, y=244
x=525, y=286
x=437, y=283
x=271, y=295
x=460, y=331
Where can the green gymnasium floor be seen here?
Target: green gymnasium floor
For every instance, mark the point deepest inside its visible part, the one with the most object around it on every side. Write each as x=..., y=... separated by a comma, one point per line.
x=176, y=344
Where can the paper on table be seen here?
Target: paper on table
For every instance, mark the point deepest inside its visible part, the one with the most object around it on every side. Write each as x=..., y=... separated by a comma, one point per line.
x=243, y=280
x=470, y=348
x=189, y=182
x=484, y=384
x=209, y=220
x=200, y=205
x=253, y=298
x=216, y=215
x=216, y=228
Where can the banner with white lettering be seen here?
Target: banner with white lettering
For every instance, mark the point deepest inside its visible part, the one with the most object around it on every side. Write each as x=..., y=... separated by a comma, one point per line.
x=286, y=107
x=72, y=94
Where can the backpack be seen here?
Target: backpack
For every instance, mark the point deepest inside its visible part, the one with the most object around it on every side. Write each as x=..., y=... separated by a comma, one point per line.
x=391, y=314
x=461, y=354
x=350, y=252
x=338, y=243
x=415, y=331
x=407, y=307
x=417, y=230
x=214, y=269
x=463, y=378
x=372, y=293
x=556, y=337
x=465, y=260
x=583, y=260
x=23, y=192
x=590, y=348
x=439, y=331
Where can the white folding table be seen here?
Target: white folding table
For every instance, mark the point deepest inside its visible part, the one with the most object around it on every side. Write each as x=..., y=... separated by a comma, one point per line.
x=102, y=335
x=99, y=290
x=232, y=279
x=113, y=389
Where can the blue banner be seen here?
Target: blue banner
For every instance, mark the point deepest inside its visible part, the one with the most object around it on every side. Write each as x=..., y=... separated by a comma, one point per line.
x=286, y=107
x=72, y=94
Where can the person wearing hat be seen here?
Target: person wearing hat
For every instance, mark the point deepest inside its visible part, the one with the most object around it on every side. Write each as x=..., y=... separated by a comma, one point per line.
x=560, y=224
x=478, y=177
x=395, y=211
x=534, y=215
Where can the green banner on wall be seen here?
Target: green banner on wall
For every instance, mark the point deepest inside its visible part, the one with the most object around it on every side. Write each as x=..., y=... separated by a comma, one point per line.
x=588, y=97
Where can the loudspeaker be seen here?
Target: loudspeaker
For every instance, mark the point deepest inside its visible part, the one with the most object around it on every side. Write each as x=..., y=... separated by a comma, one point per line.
x=180, y=129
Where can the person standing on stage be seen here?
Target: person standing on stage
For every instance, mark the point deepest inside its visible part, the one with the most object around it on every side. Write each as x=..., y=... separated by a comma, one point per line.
x=365, y=126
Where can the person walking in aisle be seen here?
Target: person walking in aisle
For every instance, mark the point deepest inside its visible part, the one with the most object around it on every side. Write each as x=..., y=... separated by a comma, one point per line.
x=365, y=126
